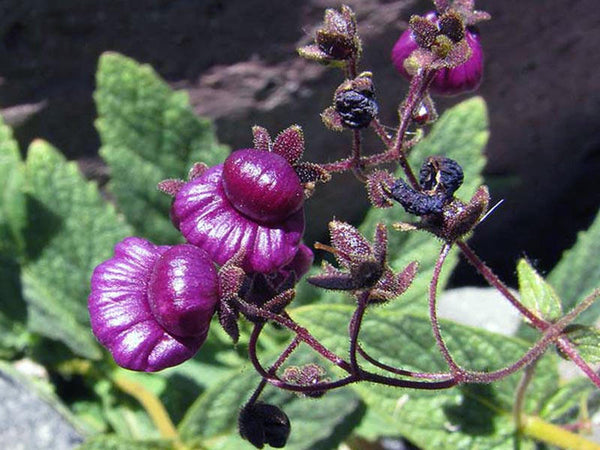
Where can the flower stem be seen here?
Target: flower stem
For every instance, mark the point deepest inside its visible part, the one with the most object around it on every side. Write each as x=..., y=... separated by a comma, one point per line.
x=418, y=87
x=354, y=329
x=454, y=368
x=538, y=429
x=153, y=407
x=495, y=282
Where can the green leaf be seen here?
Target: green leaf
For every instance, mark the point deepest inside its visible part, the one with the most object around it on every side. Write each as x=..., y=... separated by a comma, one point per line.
x=461, y=133
x=316, y=424
x=12, y=200
x=469, y=416
x=564, y=406
x=537, y=295
x=149, y=133
x=578, y=272
x=71, y=229
x=587, y=341
x=13, y=333
x=114, y=442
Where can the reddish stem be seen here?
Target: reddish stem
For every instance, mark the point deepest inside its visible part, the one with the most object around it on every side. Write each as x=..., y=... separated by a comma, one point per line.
x=495, y=282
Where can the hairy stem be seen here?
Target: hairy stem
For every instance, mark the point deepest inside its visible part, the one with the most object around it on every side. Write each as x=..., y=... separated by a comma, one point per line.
x=417, y=89
x=354, y=330
x=408, y=373
x=454, y=368
x=302, y=333
x=495, y=282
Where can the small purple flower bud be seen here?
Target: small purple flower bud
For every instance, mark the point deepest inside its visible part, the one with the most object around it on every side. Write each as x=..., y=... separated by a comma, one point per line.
x=252, y=202
x=463, y=78
x=151, y=305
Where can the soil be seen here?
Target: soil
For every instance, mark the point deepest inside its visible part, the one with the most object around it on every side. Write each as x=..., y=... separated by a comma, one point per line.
x=237, y=60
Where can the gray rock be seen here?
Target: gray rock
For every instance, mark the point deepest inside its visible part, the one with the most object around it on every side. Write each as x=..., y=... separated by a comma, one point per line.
x=27, y=420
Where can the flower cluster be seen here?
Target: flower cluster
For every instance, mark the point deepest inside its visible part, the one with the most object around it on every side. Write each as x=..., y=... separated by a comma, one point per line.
x=151, y=305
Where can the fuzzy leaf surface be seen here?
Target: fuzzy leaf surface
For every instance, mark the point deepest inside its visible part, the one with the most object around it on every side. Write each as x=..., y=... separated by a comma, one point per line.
x=13, y=218
x=316, y=424
x=578, y=272
x=70, y=230
x=470, y=416
x=461, y=133
x=565, y=404
x=149, y=133
x=12, y=199
x=536, y=294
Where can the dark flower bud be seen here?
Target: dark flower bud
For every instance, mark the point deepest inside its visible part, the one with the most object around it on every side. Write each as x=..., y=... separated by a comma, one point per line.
x=415, y=202
x=261, y=423
x=355, y=102
x=441, y=175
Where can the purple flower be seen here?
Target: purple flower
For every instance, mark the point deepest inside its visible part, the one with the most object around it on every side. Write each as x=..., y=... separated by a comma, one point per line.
x=151, y=305
x=448, y=81
x=252, y=202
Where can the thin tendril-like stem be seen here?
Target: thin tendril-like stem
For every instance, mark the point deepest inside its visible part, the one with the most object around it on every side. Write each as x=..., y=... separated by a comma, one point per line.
x=454, y=368
x=418, y=86
x=153, y=407
x=408, y=373
x=300, y=331
x=270, y=377
x=276, y=365
x=354, y=329
x=520, y=394
x=495, y=282
x=380, y=131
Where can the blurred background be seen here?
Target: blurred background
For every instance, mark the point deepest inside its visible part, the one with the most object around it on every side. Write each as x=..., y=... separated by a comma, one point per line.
x=237, y=60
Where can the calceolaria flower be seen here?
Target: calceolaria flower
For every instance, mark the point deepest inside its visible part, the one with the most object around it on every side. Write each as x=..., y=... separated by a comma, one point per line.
x=443, y=43
x=151, y=305
x=364, y=264
x=253, y=202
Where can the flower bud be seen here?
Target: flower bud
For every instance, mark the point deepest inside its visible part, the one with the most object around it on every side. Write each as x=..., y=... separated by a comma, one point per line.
x=261, y=423
x=448, y=81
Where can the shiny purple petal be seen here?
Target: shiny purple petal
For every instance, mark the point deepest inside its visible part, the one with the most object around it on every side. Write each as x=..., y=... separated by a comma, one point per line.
x=120, y=314
x=207, y=219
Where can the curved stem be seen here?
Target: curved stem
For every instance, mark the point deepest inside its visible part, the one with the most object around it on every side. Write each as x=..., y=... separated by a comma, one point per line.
x=454, y=368
x=354, y=329
x=380, y=130
x=357, y=168
x=269, y=376
x=495, y=282
x=300, y=331
x=418, y=86
x=540, y=430
x=408, y=373
x=153, y=407
x=567, y=347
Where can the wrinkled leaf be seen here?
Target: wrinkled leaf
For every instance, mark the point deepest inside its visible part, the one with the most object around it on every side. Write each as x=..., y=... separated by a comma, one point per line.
x=316, y=424
x=13, y=335
x=470, y=416
x=537, y=295
x=70, y=230
x=149, y=133
x=12, y=200
x=115, y=442
x=461, y=133
x=578, y=272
